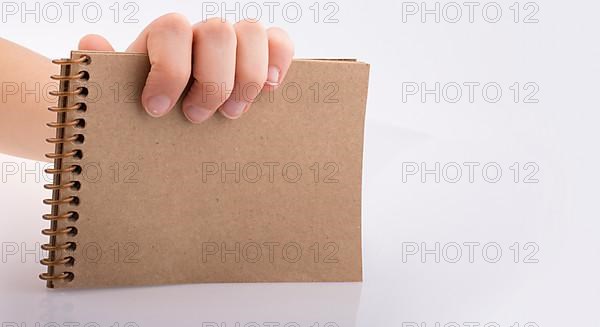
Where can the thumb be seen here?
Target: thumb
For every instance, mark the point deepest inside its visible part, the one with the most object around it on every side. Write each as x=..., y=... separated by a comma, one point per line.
x=94, y=42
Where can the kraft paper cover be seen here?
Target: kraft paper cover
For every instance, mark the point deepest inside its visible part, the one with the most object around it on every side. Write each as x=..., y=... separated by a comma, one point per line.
x=274, y=196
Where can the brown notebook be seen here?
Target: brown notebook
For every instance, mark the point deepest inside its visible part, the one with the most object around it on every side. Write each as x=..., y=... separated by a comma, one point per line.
x=272, y=197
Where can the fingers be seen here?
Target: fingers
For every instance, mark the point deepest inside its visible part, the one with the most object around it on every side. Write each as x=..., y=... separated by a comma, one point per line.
x=168, y=42
x=252, y=59
x=281, y=52
x=214, y=62
x=94, y=42
x=231, y=64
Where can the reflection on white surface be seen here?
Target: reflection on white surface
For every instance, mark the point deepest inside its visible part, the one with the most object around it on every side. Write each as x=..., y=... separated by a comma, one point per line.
x=25, y=301
x=208, y=305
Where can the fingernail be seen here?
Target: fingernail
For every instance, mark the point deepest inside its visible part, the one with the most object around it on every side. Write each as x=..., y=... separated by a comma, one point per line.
x=197, y=114
x=233, y=109
x=273, y=76
x=158, y=105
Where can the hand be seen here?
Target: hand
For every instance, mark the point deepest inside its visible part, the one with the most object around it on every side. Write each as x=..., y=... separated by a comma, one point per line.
x=230, y=64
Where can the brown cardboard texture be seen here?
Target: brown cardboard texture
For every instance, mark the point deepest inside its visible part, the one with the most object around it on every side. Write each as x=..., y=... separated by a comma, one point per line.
x=274, y=196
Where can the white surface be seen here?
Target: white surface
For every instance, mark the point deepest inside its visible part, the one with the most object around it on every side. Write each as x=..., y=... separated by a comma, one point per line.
x=559, y=214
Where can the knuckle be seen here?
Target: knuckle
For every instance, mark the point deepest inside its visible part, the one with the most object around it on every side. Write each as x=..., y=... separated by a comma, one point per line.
x=278, y=32
x=174, y=22
x=280, y=38
x=215, y=28
x=248, y=26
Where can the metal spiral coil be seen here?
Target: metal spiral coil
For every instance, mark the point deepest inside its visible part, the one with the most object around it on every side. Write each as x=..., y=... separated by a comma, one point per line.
x=63, y=126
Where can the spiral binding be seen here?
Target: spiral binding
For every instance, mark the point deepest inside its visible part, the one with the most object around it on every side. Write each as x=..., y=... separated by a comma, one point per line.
x=63, y=108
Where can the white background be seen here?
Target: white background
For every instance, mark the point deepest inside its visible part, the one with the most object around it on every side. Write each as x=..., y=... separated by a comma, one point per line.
x=555, y=217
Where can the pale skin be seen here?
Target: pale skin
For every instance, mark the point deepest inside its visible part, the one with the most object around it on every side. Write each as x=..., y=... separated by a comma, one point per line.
x=212, y=52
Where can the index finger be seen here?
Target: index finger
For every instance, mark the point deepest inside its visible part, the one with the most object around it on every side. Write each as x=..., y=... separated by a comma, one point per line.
x=168, y=42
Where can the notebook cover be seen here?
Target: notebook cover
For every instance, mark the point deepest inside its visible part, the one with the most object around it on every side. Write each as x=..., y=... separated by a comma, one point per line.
x=274, y=196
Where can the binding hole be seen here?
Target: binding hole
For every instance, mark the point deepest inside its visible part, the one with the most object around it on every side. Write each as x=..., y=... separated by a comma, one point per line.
x=85, y=75
x=73, y=215
x=83, y=91
x=70, y=261
x=78, y=154
x=87, y=60
x=75, y=201
x=69, y=276
x=72, y=231
x=79, y=139
x=82, y=107
x=76, y=186
x=71, y=246
x=76, y=170
x=80, y=123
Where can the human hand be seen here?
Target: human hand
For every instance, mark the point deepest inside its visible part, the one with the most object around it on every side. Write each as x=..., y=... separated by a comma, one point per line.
x=230, y=64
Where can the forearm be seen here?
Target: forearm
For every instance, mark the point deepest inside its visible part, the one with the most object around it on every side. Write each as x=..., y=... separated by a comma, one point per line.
x=23, y=107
